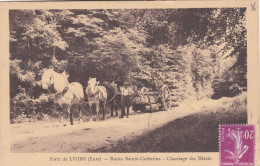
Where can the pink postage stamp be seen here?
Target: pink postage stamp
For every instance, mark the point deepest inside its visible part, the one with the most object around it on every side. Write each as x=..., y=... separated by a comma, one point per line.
x=237, y=145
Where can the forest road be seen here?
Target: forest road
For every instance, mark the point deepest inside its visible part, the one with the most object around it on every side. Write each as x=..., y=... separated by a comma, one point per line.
x=51, y=137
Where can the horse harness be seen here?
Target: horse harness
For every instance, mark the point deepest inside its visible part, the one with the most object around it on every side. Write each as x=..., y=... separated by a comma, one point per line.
x=63, y=92
x=113, y=97
x=97, y=91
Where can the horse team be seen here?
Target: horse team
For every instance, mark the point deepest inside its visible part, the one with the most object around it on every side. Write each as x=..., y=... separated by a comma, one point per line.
x=68, y=94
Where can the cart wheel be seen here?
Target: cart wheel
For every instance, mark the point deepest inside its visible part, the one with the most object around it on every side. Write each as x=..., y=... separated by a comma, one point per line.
x=166, y=97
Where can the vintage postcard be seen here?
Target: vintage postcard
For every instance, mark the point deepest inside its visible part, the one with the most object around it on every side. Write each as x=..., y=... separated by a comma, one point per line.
x=129, y=83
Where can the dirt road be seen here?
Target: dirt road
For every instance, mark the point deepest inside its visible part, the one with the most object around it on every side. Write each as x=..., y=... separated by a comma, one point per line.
x=51, y=137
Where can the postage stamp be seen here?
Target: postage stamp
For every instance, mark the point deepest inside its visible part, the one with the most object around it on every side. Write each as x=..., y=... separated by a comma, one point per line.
x=237, y=145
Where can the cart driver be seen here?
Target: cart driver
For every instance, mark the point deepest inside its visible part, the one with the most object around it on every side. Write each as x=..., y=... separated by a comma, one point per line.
x=126, y=99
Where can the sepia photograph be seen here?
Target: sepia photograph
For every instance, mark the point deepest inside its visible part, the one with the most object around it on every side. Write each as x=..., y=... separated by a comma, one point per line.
x=125, y=80
x=129, y=83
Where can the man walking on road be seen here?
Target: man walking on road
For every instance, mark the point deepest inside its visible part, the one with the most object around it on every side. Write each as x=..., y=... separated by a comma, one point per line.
x=126, y=100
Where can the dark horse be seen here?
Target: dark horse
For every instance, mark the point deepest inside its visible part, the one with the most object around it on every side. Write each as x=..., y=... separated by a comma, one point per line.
x=113, y=96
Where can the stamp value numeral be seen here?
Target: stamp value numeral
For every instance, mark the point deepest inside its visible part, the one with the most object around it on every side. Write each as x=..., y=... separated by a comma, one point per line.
x=249, y=134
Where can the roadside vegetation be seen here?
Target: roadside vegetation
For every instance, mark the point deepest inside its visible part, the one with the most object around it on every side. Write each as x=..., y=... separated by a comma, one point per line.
x=193, y=133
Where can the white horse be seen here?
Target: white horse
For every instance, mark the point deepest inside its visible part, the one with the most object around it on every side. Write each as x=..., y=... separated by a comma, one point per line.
x=66, y=94
x=96, y=94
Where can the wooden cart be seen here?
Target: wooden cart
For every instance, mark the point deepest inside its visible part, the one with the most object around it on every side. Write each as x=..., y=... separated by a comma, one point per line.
x=147, y=100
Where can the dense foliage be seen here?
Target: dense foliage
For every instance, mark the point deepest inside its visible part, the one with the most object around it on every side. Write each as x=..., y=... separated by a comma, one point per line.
x=201, y=52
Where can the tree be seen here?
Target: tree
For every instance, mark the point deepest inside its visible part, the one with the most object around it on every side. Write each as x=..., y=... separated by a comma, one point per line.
x=158, y=46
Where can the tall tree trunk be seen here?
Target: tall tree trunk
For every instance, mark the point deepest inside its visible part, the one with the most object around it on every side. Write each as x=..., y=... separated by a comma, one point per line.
x=54, y=52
